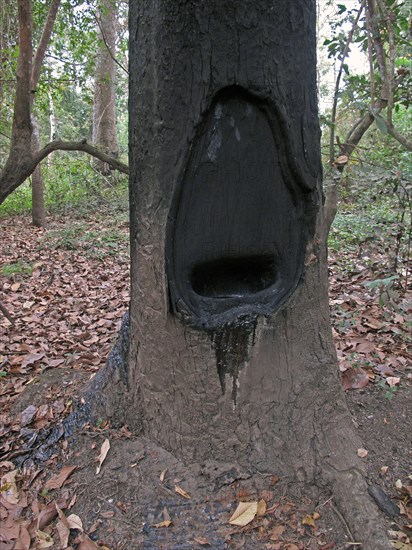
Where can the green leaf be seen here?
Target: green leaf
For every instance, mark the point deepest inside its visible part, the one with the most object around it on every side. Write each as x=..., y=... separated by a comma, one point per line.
x=381, y=124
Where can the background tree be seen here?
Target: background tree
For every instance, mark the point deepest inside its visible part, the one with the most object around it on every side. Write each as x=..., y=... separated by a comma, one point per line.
x=22, y=159
x=382, y=29
x=104, y=112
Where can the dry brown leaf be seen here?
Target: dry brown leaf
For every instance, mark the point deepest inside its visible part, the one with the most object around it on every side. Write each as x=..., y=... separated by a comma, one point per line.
x=27, y=415
x=362, y=453
x=44, y=540
x=308, y=520
x=74, y=522
x=392, y=381
x=107, y=515
x=277, y=532
x=182, y=492
x=46, y=515
x=353, y=379
x=8, y=487
x=244, y=513
x=261, y=510
x=64, y=532
x=202, y=541
x=166, y=523
x=31, y=358
x=56, y=481
x=103, y=453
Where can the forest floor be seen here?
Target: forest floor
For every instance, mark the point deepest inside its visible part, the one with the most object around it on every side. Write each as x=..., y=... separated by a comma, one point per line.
x=64, y=290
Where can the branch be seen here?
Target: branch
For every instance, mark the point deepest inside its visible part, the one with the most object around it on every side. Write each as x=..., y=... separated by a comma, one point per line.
x=44, y=41
x=337, y=84
x=58, y=145
x=6, y=313
x=407, y=143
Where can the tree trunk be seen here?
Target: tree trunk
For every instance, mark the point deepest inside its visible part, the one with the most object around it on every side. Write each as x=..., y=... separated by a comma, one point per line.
x=231, y=354
x=104, y=114
x=38, y=211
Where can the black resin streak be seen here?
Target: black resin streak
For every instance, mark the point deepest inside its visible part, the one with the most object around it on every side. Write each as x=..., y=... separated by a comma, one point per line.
x=231, y=344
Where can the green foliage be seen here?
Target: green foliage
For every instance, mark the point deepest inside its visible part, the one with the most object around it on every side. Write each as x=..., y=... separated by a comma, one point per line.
x=71, y=183
x=98, y=244
x=20, y=268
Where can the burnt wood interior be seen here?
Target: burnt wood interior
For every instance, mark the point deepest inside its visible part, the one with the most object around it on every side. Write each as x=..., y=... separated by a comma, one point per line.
x=236, y=226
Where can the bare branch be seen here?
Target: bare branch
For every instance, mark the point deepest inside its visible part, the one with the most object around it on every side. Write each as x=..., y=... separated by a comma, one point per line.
x=59, y=145
x=337, y=83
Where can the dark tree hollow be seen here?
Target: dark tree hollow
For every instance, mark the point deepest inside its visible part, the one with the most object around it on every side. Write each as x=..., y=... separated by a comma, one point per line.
x=237, y=232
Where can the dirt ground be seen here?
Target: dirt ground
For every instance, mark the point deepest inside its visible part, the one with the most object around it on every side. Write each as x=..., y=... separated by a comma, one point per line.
x=143, y=497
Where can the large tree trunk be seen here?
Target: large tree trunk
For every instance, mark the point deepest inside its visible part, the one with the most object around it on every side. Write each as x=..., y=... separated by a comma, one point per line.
x=231, y=353
x=104, y=114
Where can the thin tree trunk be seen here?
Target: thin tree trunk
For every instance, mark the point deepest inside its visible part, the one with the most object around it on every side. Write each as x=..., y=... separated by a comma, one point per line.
x=38, y=207
x=104, y=114
x=38, y=211
x=52, y=120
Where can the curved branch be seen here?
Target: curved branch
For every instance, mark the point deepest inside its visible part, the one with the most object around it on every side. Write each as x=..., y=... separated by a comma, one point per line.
x=59, y=145
x=407, y=143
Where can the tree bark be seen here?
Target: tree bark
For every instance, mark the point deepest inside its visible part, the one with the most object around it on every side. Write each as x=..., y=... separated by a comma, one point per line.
x=104, y=114
x=38, y=211
x=231, y=354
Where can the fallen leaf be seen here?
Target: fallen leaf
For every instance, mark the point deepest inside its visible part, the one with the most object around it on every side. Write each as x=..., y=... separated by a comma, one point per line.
x=56, y=481
x=32, y=358
x=74, y=522
x=392, y=381
x=182, y=492
x=103, y=453
x=64, y=532
x=44, y=540
x=384, y=370
x=277, y=532
x=62, y=527
x=309, y=520
x=27, y=415
x=166, y=523
x=353, y=379
x=362, y=453
x=107, y=515
x=46, y=515
x=261, y=509
x=244, y=513
x=8, y=487
x=201, y=541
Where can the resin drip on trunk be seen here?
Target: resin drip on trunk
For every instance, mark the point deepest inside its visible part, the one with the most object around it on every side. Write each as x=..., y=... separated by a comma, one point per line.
x=231, y=344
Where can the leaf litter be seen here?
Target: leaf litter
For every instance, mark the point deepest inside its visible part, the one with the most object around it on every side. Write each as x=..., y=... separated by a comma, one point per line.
x=66, y=310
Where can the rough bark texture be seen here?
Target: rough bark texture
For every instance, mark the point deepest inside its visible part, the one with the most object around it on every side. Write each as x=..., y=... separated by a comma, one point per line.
x=258, y=388
x=104, y=114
